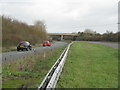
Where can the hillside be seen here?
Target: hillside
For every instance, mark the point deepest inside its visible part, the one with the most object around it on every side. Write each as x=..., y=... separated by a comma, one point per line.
x=14, y=31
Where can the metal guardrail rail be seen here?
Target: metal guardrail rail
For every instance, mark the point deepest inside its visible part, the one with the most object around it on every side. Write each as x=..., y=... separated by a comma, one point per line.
x=50, y=80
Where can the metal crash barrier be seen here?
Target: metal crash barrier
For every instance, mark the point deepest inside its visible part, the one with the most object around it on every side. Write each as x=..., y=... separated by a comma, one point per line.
x=50, y=80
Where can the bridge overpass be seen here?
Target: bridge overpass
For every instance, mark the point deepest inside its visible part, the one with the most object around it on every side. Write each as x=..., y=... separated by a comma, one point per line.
x=63, y=34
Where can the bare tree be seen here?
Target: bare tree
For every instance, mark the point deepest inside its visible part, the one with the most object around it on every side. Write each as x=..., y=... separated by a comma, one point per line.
x=40, y=25
x=89, y=31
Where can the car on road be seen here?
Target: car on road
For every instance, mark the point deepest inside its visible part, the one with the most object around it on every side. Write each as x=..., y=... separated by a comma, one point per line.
x=24, y=45
x=46, y=43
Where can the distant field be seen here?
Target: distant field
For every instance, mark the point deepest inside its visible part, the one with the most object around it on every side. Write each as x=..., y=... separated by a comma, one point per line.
x=90, y=66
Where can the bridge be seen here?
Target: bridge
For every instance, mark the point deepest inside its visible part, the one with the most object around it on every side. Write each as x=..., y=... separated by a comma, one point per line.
x=63, y=34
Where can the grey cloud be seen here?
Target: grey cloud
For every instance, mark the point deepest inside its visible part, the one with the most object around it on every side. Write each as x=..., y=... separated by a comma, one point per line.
x=65, y=15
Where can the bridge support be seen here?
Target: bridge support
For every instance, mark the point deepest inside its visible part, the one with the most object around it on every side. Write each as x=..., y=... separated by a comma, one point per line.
x=61, y=37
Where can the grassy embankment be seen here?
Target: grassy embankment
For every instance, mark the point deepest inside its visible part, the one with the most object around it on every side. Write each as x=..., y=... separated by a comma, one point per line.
x=30, y=71
x=90, y=66
x=14, y=31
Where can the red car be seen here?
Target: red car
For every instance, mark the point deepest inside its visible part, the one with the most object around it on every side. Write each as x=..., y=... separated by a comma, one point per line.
x=46, y=43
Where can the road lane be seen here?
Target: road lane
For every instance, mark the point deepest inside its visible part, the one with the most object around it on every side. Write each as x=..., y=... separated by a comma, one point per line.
x=14, y=55
x=110, y=44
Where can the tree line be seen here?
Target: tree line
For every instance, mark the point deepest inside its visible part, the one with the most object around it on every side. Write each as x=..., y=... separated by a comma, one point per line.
x=90, y=35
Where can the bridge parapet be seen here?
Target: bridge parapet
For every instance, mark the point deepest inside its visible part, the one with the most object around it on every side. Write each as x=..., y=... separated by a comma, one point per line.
x=63, y=34
x=67, y=34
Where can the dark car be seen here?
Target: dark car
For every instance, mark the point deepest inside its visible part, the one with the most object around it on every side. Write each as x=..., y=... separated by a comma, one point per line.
x=24, y=46
x=46, y=43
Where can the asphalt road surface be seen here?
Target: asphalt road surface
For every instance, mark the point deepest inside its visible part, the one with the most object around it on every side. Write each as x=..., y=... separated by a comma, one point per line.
x=14, y=55
x=113, y=45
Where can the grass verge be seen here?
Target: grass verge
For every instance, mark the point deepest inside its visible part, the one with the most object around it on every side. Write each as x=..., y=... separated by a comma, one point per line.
x=7, y=49
x=90, y=66
x=14, y=48
x=30, y=71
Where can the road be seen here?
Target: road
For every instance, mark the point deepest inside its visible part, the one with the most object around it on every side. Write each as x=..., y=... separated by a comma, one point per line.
x=14, y=55
x=113, y=45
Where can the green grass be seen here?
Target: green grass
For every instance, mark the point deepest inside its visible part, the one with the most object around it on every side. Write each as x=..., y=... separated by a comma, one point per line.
x=7, y=49
x=29, y=72
x=90, y=66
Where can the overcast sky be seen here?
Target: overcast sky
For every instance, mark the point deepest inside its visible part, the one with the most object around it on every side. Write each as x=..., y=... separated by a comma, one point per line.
x=65, y=16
